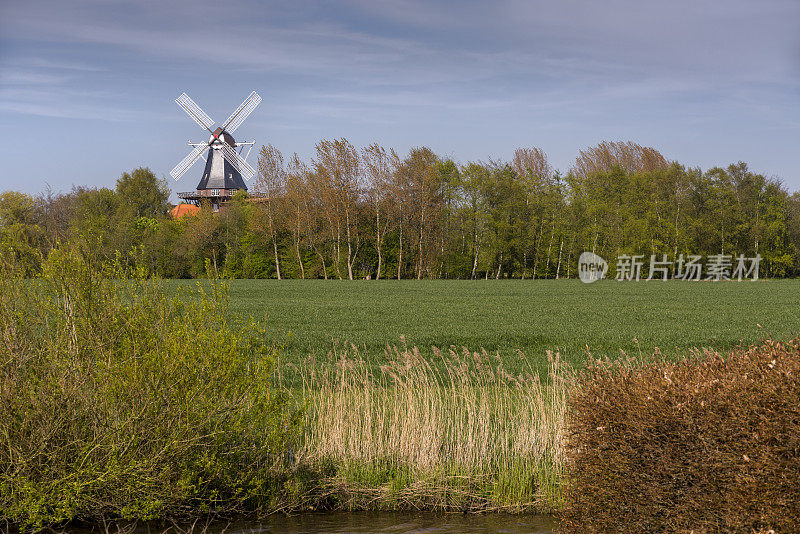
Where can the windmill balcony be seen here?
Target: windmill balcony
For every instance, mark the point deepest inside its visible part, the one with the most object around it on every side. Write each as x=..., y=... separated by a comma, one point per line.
x=207, y=193
x=221, y=194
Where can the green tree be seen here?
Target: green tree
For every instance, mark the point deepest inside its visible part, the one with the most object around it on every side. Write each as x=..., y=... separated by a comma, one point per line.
x=422, y=188
x=142, y=194
x=20, y=235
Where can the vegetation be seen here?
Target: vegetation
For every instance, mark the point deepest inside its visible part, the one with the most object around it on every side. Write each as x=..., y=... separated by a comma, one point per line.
x=119, y=401
x=350, y=213
x=505, y=316
x=463, y=435
x=709, y=444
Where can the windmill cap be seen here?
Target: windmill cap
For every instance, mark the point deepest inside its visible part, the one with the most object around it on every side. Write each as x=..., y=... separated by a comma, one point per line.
x=219, y=133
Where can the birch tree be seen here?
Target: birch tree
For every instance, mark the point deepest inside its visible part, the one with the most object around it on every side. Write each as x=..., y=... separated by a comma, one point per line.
x=272, y=181
x=296, y=198
x=339, y=165
x=380, y=166
x=536, y=174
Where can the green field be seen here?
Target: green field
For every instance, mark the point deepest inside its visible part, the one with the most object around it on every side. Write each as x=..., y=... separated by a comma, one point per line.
x=532, y=316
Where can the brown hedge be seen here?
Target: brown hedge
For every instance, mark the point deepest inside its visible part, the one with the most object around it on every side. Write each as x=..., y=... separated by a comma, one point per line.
x=708, y=444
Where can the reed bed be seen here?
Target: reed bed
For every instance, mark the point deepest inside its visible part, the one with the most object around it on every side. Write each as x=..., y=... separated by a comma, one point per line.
x=451, y=430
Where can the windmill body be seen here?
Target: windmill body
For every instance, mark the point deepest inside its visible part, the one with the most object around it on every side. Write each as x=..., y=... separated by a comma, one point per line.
x=219, y=173
x=226, y=170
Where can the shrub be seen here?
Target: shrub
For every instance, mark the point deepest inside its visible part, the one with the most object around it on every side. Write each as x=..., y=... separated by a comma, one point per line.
x=708, y=444
x=118, y=400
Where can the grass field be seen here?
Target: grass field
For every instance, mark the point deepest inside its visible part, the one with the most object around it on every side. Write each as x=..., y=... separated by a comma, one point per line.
x=532, y=316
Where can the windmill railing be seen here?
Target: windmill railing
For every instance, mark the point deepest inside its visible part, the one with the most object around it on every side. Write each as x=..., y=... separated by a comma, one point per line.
x=216, y=193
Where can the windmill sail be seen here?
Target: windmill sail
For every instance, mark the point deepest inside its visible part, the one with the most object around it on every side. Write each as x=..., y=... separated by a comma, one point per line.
x=237, y=161
x=242, y=112
x=187, y=162
x=194, y=111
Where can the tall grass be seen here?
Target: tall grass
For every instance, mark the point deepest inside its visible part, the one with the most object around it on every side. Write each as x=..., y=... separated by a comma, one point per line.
x=452, y=432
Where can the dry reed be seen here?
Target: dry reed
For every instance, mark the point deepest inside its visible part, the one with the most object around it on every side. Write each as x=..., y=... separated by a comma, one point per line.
x=455, y=431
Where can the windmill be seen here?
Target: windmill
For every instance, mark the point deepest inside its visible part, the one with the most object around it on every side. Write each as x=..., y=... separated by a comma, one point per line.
x=226, y=170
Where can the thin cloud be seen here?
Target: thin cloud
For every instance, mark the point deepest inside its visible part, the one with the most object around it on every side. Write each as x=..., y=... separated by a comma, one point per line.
x=24, y=77
x=48, y=64
x=79, y=111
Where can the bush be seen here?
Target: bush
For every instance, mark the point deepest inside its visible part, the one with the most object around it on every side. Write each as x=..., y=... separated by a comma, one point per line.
x=709, y=444
x=118, y=400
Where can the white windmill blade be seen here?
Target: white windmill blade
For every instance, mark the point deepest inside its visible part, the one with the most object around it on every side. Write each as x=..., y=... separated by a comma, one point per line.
x=187, y=162
x=194, y=111
x=242, y=112
x=237, y=161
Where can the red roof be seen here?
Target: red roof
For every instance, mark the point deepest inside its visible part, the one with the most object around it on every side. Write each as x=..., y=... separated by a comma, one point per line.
x=181, y=210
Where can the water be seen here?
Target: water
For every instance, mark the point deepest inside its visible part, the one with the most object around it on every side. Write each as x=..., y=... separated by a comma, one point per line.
x=370, y=522
x=404, y=523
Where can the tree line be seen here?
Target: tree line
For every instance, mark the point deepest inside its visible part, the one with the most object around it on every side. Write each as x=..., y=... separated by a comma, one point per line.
x=355, y=213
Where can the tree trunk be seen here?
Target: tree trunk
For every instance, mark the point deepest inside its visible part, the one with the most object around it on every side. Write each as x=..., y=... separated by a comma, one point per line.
x=324, y=267
x=550, y=245
x=475, y=248
x=338, y=249
x=349, y=248
x=299, y=259
x=400, y=259
x=419, y=252
x=560, y=250
x=569, y=255
x=297, y=245
x=536, y=250
x=275, y=248
x=378, y=241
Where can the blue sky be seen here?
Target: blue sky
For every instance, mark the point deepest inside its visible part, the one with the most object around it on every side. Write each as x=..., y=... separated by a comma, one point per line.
x=87, y=87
